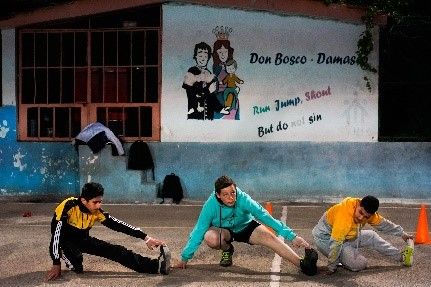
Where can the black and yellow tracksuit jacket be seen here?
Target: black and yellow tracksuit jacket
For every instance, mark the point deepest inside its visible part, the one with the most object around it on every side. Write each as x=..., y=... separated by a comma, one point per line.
x=72, y=221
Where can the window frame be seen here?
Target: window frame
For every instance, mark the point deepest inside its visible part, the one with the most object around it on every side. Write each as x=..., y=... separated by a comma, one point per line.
x=88, y=108
x=1, y=69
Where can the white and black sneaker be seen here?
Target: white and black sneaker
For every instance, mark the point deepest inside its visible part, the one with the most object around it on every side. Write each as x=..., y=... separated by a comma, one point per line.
x=164, y=260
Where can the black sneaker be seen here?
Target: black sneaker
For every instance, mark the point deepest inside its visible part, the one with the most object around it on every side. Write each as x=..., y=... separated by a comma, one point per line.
x=309, y=262
x=226, y=257
x=164, y=260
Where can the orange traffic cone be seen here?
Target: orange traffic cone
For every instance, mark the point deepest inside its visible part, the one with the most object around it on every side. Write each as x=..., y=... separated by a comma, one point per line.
x=422, y=235
x=268, y=207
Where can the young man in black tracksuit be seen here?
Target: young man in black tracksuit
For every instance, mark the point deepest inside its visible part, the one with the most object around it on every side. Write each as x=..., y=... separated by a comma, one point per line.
x=74, y=217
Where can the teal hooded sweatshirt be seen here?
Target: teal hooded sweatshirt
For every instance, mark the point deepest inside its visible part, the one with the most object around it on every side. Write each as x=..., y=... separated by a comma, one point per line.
x=236, y=218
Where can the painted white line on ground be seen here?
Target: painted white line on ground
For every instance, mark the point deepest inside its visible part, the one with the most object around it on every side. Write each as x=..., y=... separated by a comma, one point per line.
x=276, y=262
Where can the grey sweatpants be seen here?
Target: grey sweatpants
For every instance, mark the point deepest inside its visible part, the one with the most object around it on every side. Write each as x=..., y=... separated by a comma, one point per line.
x=350, y=256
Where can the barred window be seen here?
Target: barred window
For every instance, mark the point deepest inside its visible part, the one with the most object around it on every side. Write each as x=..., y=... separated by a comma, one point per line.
x=71, y=76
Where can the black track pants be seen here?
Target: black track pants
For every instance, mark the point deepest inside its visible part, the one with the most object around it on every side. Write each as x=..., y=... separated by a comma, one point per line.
x=72, y=255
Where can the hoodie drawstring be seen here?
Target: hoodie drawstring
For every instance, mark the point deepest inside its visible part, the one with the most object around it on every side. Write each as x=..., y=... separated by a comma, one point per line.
x=220, y=228
x=359, y=239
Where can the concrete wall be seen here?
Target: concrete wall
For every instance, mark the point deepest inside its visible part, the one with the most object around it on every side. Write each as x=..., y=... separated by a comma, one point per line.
x=34, y=170
x=120, y=184
x=289, y=170
x=397, y=172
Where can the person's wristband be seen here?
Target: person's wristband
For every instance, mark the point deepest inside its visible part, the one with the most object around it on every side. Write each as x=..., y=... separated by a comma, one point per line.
x=147, y=240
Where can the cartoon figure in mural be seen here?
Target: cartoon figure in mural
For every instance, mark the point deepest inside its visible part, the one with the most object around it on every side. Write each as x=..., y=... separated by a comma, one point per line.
x=355, y=114
x=230, y=94
x=222, y=53
x=200, y=85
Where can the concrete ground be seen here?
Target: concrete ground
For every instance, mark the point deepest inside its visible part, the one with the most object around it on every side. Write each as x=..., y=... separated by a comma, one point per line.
x=24, y=257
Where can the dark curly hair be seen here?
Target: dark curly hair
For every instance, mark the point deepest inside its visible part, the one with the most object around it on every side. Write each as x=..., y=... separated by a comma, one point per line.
x=370, y=204
x=91, y=190
x=202, y=46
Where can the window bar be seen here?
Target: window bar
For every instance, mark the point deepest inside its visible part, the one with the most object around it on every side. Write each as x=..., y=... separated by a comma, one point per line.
x=46, y=69
x=106, y=116
x=34, y=68
x=70, y=122
x=53, y=123
x=61, y=67
x=19, y=71
x=89, y=63
x=130, y=97
x=38, y=122
x=116, y=76
x=139, y=122
x=103, y=67
x=123, y=122
x=145, y=66
x=74, y=68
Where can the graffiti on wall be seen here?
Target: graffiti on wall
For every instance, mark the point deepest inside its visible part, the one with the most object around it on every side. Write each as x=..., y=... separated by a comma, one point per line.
x=4, y=129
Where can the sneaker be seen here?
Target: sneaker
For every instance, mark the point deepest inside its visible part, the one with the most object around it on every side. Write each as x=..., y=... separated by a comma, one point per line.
x=226, y=257
x=407, y=254
x=164, y=260
x=309, y=262
x=225, y=111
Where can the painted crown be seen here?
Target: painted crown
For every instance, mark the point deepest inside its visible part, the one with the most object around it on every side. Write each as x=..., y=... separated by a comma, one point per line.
x=222, y=32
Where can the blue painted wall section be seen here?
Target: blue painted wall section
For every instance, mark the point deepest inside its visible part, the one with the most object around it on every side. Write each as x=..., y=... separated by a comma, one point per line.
x=270, y=171
x=120, y=184
x=35, y=169
x=301, y=169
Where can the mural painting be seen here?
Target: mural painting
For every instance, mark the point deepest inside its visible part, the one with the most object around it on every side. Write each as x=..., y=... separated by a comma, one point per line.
x=200, y=85
x=213, y=95
x=273, y=78
x=224, y=67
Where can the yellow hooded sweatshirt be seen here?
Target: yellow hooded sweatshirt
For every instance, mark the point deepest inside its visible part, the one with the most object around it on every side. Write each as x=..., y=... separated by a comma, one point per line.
x=341, y=218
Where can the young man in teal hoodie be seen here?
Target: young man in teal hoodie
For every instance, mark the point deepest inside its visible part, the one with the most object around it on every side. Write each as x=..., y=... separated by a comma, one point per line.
x=230, y=215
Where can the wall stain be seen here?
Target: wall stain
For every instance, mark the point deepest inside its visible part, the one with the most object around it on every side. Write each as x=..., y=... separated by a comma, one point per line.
x=17, y=161
x=3, y=129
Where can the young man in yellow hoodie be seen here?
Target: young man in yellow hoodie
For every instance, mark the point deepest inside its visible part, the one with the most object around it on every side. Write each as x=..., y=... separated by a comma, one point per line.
x=338, y=235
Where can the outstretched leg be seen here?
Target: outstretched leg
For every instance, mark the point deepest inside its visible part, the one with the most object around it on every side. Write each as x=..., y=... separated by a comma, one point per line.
x=352, y=259
x=369, y=238
x=121, y=255
x=262, y=236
